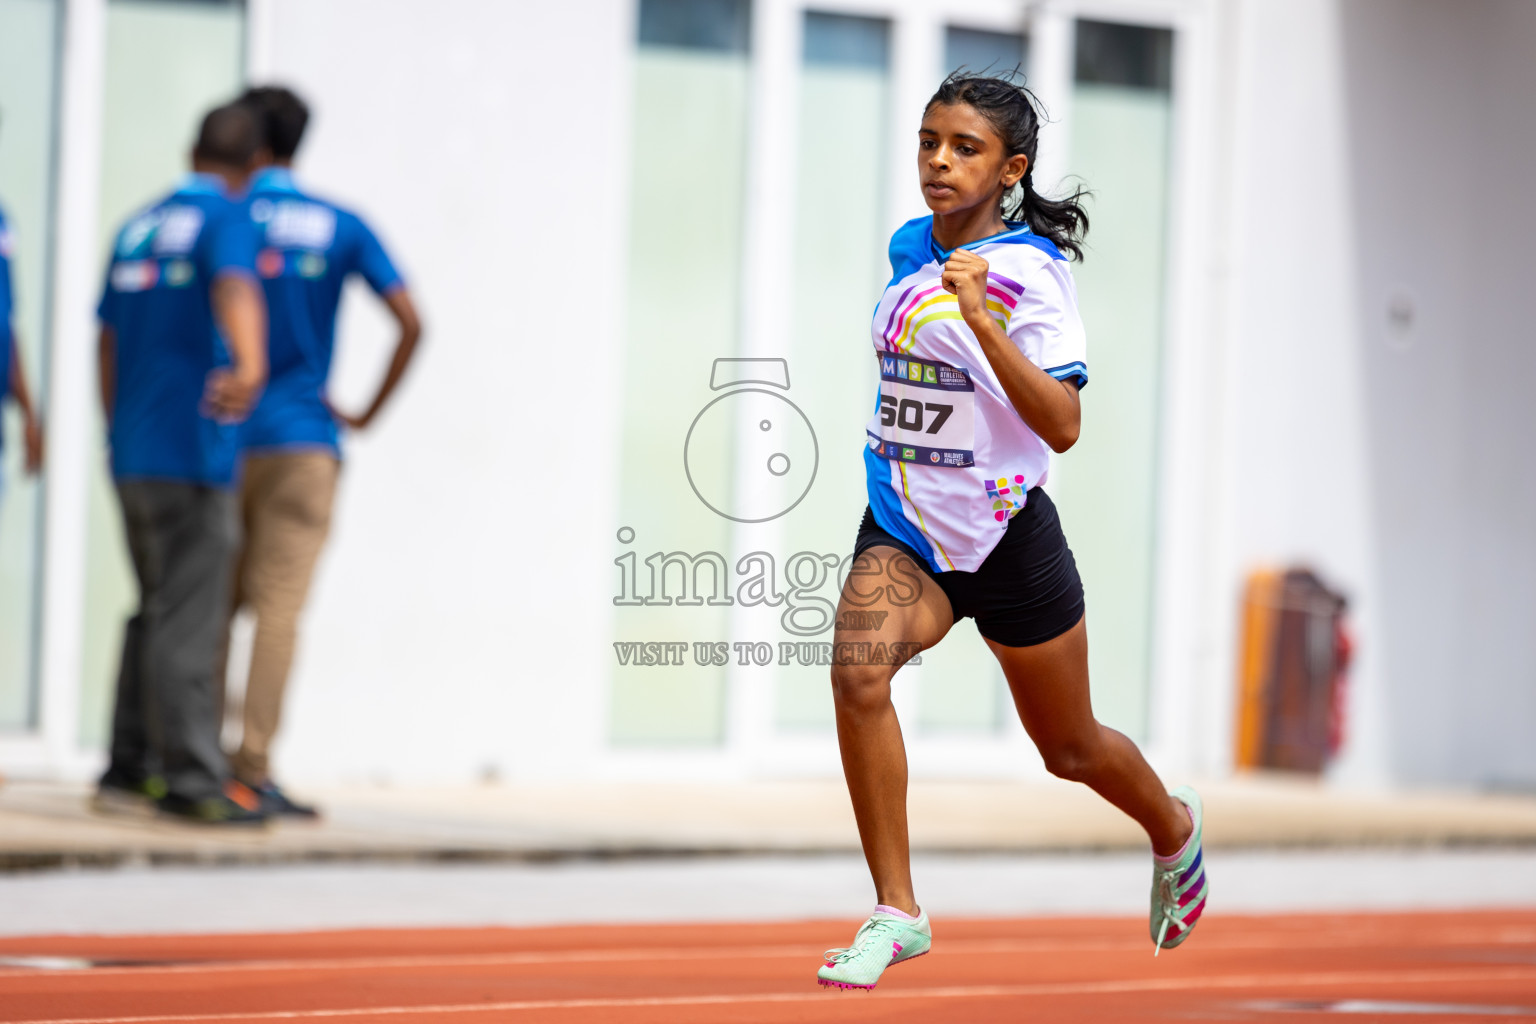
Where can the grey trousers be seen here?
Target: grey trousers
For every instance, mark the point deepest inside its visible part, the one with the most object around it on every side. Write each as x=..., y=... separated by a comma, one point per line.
x=166, y=717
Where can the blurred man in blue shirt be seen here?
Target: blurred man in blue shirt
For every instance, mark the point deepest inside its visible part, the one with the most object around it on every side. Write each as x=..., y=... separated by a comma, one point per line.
x=183, y=359
x=308, y=247
x=12, y=381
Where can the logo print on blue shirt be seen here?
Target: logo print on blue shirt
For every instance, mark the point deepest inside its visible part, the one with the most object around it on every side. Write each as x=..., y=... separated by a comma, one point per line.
x=301, y=225
x=178, y=273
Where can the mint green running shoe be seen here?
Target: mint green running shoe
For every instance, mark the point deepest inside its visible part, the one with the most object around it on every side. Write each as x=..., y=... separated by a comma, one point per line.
x=881, y=941
x=1178, y=892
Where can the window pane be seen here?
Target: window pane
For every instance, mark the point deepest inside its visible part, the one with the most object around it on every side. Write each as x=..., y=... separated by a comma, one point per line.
x=686, y=190
x=167, y=63
x=721, y=25
x=1107, y=487
x=841, y=41
x=840, y=238
x=983, y=52
x=1125, y=55
x=29, y=50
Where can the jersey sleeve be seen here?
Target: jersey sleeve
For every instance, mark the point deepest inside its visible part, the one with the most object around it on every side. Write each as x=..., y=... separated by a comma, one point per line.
x=229, y=245
x=1046, y=326
x=372, y=261
x=908, y=249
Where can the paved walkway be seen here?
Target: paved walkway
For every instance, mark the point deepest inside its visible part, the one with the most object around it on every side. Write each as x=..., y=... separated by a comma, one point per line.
x=305, y=897
x=50, y=825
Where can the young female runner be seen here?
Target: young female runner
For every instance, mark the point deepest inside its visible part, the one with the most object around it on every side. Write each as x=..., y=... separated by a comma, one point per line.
x=981, y=359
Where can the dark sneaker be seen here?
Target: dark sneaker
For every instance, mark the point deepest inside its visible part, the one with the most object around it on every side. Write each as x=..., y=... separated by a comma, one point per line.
x=213, y=810
x=278, y=804
x=269, y=799
x=132, y=799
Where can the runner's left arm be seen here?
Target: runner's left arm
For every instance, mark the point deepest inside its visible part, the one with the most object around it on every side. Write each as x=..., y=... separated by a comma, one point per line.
x=1048, y=406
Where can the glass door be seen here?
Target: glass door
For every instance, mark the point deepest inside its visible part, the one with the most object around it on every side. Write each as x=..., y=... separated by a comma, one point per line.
x=687, y=189
x=29, y=74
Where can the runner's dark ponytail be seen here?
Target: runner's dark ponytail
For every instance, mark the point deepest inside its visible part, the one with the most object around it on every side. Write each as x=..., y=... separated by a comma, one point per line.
x=1011, y=111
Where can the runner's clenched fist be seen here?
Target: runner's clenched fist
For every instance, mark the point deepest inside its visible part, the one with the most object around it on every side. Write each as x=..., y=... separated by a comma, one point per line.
x=965, y=277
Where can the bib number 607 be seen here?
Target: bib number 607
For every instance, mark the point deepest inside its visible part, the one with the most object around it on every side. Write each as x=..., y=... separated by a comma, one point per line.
x=908, y=413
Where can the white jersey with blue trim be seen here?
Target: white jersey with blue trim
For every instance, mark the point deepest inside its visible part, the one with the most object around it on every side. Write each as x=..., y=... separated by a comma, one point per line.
x=949, y=460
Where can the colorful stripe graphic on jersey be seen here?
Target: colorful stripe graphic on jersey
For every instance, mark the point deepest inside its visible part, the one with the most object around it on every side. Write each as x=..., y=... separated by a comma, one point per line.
x=916, y=311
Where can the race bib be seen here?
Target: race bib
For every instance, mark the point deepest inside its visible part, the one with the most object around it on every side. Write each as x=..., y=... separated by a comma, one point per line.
x=927, y=414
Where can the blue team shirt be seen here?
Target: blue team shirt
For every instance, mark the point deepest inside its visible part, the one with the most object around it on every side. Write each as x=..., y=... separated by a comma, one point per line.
x=308, y=247
x=6, y=339
x=156, y=300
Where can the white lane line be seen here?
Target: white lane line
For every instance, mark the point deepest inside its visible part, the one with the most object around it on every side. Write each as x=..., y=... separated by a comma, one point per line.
x=1214, y=982
x=76, y=967
x=1381, y=1006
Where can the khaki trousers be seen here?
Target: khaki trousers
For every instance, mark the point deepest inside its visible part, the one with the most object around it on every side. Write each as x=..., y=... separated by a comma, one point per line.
x=285, y=505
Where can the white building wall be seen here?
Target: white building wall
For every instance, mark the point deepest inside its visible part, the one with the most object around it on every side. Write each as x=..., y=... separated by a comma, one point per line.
x=1377, y=165
x=1443, y=135
x=459, y=622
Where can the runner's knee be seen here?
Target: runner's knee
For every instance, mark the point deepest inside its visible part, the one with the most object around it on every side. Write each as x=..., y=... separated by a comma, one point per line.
x=861, y=687
x=1076, y=759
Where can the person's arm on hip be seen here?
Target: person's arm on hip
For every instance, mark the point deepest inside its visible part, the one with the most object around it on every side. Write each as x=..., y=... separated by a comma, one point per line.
x=241, y=312
x=398, y=301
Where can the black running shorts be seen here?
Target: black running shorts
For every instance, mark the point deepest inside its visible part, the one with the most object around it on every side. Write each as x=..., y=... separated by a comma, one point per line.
x=1026, y=591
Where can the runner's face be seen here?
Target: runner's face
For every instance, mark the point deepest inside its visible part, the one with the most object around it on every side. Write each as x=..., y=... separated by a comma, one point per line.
x=961, y=161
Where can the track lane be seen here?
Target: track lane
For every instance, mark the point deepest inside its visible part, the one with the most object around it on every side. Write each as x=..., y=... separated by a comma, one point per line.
x=1083, y=969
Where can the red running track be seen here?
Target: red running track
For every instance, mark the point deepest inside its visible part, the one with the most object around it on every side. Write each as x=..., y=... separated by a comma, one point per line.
x=1424, y=967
